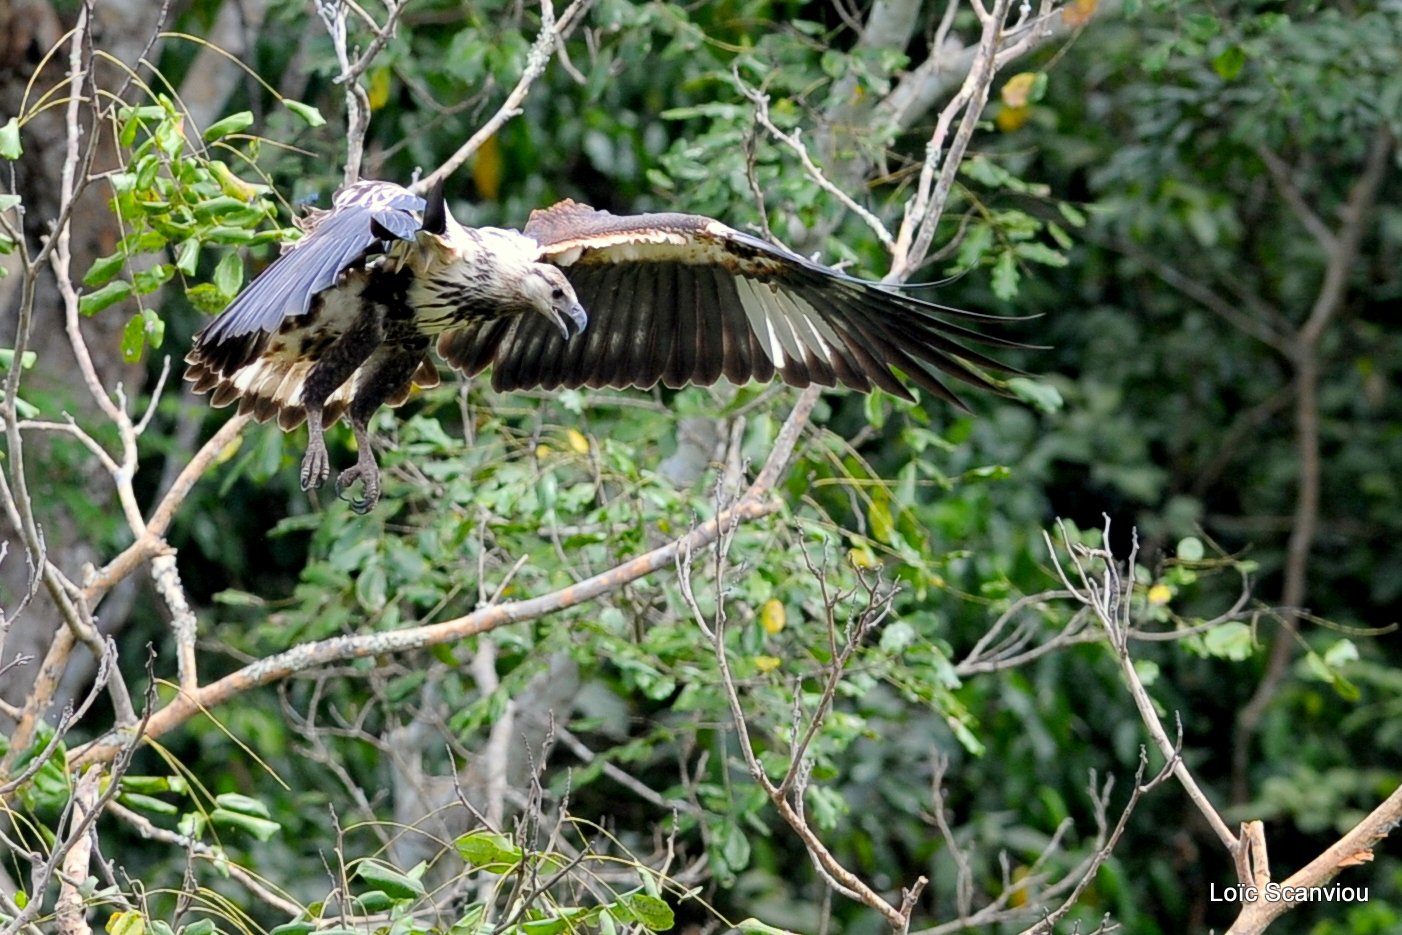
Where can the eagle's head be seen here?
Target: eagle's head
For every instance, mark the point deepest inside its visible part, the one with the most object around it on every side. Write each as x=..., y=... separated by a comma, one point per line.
x=547, y=291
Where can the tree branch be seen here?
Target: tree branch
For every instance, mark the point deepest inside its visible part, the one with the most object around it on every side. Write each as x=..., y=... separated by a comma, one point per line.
x=757, y=501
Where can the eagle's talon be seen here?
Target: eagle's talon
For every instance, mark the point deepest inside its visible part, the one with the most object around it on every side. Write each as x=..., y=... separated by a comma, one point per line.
x=316, y=465
x=371, y=482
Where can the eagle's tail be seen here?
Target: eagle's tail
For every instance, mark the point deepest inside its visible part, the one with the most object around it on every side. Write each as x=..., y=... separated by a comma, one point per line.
x=271, y=387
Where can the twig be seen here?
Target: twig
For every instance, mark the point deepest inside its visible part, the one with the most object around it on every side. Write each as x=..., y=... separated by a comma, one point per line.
x=918, y=228
x=1108, y=599
x=152, y=832
x=552, y=32
x=792, y=141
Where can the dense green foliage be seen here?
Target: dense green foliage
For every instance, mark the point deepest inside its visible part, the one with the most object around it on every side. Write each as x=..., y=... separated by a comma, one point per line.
x=1130, y=206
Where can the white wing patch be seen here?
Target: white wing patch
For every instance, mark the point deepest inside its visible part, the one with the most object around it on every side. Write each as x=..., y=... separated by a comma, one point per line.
x=658, y=246
x=757, y=301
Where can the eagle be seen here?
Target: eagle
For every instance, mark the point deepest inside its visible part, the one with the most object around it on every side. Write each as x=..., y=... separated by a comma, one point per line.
x=340, y=323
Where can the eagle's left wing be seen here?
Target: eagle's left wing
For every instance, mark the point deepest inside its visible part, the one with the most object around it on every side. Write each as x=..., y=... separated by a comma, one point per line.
x=363, y=215
x=685, y=299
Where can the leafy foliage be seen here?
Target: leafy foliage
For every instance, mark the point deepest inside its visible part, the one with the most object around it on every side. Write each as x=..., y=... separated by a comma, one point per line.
x=850, y=624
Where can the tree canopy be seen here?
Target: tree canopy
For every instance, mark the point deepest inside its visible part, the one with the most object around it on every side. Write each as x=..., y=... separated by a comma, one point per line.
x=1102, y=654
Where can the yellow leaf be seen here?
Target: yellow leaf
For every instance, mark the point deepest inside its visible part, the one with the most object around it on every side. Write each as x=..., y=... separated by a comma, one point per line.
x=487, y=168
x=378, y=92
x=230, y=184
x=767, y=663
x=1017, y=91
x=1019, y=896
x=543, y=451
x=229, y=450
x=1078, y=12
x=1011, y=118
x=861, y=556
x=1160, y=594
x=126, y=923
x=578, y=442
x=772, y=615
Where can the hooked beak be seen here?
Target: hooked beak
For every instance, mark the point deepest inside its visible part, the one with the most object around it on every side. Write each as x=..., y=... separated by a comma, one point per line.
x=572, y=321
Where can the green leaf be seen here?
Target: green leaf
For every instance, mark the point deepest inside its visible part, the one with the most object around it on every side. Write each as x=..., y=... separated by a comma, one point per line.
x=261, y=828
x=226, y=234
x=1073, y=215
x=243, y=804
x=1230, y=641
x=149, y=785
x=1203, y=26
x=187, y=256
x=756, y=927
x=147, y=803
x=488, y=850
x=1342, y=652
x=110, y=294
x=220, y=205
x=10, y=147
x=1005, y=277
x=307, y=112
x=735, y=848
x=393, y=882
x=1041, y=253
x=234, y=123
x=882, y=525
x=1190, y=549
x=7, y=358
x=1229, y=62
x=147, y=281
x=1042, y=395
x=103, y=269
x=654, y=914
x=202, y=927
x=169, y=138
x=896, y=636
x=228, y=275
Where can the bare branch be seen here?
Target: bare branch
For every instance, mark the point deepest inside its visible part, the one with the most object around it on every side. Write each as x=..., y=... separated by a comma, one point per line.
x=1108, y=597
x=760, y=100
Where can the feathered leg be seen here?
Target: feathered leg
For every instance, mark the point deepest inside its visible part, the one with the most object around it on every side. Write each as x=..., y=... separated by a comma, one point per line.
x=389, y=377
x=351, y=350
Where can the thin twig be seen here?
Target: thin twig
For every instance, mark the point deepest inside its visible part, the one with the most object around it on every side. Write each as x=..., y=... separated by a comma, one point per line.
x=551, y=33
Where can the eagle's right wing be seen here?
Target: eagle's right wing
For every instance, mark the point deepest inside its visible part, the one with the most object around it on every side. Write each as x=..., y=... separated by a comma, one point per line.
x=679, y=298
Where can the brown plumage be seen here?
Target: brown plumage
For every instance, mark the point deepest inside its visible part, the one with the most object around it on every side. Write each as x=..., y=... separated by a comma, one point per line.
x=340, y=324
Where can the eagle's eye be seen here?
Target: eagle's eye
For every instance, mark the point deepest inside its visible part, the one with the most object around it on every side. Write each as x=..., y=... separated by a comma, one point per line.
x=557, y=293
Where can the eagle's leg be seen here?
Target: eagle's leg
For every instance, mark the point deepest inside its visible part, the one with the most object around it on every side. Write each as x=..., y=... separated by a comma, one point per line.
x=339, y=361
x=390, y=376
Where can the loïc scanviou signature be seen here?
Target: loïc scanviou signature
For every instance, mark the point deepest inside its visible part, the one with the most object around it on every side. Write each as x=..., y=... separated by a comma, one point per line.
x=1279, y=892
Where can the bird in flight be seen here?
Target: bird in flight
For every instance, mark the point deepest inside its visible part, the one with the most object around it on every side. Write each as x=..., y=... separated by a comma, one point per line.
x=340, y=323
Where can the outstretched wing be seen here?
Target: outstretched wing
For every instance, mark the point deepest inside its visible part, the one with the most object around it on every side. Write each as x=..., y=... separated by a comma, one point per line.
x=685, y=299
x=362, y=216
